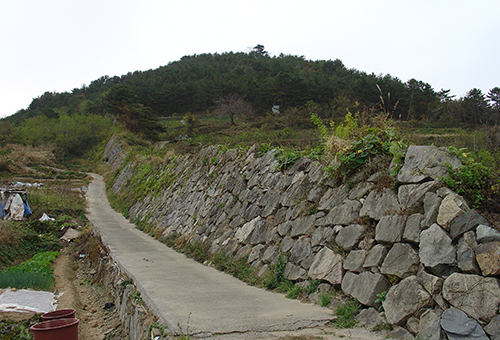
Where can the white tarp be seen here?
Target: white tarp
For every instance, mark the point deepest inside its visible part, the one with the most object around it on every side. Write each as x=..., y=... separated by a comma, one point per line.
x=15, y=207
x=25, y=300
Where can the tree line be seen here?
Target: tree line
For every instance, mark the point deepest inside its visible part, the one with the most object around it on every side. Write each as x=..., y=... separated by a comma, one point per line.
x=200, y=83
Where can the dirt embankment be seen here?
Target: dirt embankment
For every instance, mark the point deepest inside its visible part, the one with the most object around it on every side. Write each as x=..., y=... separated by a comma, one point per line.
x=73, y=279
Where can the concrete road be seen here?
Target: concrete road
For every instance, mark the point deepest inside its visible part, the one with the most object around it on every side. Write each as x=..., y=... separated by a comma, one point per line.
x=184, y=293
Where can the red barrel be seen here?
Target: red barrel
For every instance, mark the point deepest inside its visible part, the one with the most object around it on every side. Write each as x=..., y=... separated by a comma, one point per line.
x=57, y=329
x=59, y=314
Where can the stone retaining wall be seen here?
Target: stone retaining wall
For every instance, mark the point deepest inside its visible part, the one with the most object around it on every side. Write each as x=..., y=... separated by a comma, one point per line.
x=421, y=243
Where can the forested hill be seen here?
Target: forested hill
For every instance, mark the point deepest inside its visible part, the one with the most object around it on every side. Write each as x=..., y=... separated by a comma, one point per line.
x=196, y=83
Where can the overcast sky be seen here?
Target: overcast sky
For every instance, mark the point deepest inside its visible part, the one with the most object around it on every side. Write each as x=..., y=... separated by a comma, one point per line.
x=56, y=45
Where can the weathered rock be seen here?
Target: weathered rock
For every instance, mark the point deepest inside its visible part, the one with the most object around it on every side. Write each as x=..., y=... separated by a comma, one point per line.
x=430, y=326
x=404, y=299
x=270, y=255
x=322, y=236
x=390, y=229
x=466, y=254
x=423, y=162
x=458, y=325
x=487, y=234
x=327, y=266
x=303, y=226
x=488, y=258
x=332, y=198
x=256, y=253
x=294, y=273
x=451, y=207
x=400, y=333
x=360, y=190
x=432, y=202
x=345, y=213
x=413, y=325
x=402, y=261
x=300, y=250
x=493, y=328
x=375, y=256
x=365, y=286
x=463, y=223
x=411, y=196
x=243, y=234
x=432, y=284
x=412, y=228
x=284, y=228
x=270, y=201
x=436, y=248
x=354, y=261
x=286, y=244
x=349, y=236
x=369, y=317
x=380, y=203
x=477, y=296
x=259, y=234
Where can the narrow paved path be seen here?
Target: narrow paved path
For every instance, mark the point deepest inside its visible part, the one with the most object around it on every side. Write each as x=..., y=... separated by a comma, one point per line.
x=184, y=293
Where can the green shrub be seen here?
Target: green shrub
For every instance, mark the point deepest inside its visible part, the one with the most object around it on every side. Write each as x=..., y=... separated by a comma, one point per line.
x=475, y=181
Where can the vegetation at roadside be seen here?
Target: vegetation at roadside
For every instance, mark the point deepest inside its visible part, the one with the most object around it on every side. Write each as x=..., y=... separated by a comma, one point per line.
x=346, y=313
x=36, y=273
x=18, y=330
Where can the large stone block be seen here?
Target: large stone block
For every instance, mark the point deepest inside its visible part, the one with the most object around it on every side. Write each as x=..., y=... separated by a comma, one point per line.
x=354, y=261
x=327, y=265
x=300, y=250
x=413, y=228
x=380, y=203
x=345, y=213
x=436, y=248
x=402, y=261
x=423, y=162
x=430, y=327
x=349, y=236
x=451, y=207
x=365, y=286
x=411, y=196
x=463, y=223
x=390, y=229
x=243, y=234
x=477, y=296
x=404, y=299
x=375, y=256
x=488, y=258
x=458, y=325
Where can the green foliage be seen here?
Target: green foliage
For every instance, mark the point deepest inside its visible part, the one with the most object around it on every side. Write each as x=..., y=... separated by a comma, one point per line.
x=72, y=135
x=325, y=299
x=346, y=313
x=360, y=153
x=276, y=275
x=380, y=298
x=18, y=330
x=475, y=181
x=35, y=273
x=382, y=327
x=135, y=296
x=197, y=250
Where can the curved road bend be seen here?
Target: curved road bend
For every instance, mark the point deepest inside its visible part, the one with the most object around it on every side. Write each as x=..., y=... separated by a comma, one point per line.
x=179, y=289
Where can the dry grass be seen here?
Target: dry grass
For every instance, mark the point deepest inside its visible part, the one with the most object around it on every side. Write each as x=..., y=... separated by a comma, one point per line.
x=8, y=234
x=19, y=159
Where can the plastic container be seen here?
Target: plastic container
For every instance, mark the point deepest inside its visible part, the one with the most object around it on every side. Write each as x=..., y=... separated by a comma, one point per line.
x=57, y=329
x=59, y=314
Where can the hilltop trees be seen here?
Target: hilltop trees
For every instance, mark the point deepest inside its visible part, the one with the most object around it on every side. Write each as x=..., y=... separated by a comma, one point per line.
x=203, y=83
